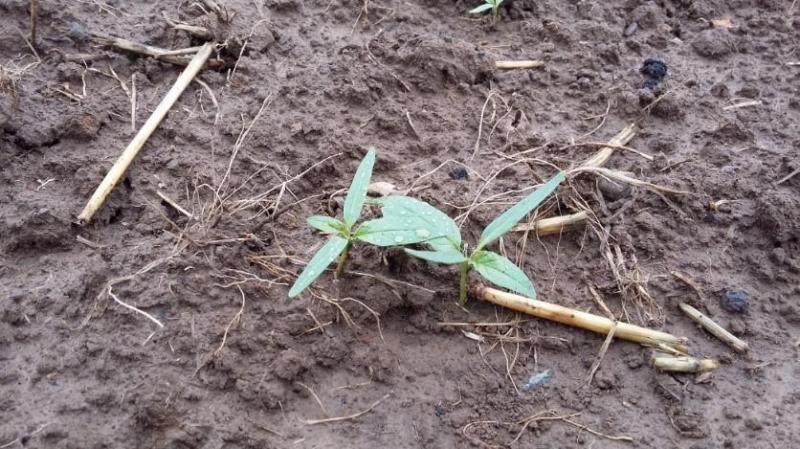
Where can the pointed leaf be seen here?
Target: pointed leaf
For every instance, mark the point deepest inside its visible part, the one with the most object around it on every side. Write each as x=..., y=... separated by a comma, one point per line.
x=389, y=231
x=415, y=214
x=358, y=189
x=324, y=256
x=326, y=224
x=517, y=212
x=449, y=257
x=479, y=9
x=501, y=271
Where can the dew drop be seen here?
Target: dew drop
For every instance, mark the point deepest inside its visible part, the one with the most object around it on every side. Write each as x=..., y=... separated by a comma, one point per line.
x=423, y=233
x=402, y=212
x=399, y=238
x=311, y=272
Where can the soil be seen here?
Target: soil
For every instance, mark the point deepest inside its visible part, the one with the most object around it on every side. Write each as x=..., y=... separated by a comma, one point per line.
x=235, y=363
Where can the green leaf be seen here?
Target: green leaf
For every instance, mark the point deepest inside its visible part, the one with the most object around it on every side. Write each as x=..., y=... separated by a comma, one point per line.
x=517, y=212
x=389, y=231
x=326, y=224
x=449, y=257
x=483, y=8
x=501, y=271
x=324, y=256
x=358, y=189
x=413, y=214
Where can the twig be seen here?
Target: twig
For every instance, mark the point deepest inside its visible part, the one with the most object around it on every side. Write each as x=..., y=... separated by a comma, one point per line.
x=787, y=177
x=411, y=124
x=690, y=282
x=90, y=243
x=599, y=300
x=174, y=205
x=133, y=102
x=683, y=364
x=34, y=18
x=576, y=318
x=201, y=32
x=598, y=434
x=130, y=307
x=346, y=417
x=236, y=318
x=622, y=177
x=19, y=439
x=621, y=139
x=601, y=354
x=743, y=104
x=523, y=64
x=713, y=328
x=172, y=56
x=316, y=398
x=121, y=165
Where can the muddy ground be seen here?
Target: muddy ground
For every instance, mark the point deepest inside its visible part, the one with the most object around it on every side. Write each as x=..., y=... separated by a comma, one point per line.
x=416, y=80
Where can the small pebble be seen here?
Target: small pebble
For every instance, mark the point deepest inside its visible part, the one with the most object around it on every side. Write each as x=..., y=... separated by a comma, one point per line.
x=735, y=301
x=459, y=173
x=630, y=29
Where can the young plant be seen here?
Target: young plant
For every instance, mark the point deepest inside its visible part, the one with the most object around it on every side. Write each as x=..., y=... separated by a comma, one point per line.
x=342, y=232
x=406, y=220
x=487, y=5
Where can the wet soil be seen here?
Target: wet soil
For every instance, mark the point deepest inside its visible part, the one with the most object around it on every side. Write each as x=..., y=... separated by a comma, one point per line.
x=416, y=80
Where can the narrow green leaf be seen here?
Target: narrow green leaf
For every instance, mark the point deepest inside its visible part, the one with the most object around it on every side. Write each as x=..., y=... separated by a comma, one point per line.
x=324, y=256
x=449, y=257
x=501, y=271
x=358, y=189
x=389, y=231
x=479, y=9
x=413, y=214
x=517, y=212
x=326, y=224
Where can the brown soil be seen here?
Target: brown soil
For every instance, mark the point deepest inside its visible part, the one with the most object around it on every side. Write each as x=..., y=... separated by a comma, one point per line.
x=79, y=370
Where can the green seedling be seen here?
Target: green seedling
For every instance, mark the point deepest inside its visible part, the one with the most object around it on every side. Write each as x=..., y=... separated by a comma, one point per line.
x=486, y=6
x=406, y=220
x=341, y=231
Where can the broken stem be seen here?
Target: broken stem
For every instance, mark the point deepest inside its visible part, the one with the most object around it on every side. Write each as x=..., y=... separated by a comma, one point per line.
x=119, y=168
x=684, y=364
x=554, y=225
x=714, y=328
x=525, y=64
x=576, y=318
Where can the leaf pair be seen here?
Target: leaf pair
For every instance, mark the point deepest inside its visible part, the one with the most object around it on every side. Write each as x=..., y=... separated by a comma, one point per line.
x=489, y=5
x=406, y=217
x=342, y=231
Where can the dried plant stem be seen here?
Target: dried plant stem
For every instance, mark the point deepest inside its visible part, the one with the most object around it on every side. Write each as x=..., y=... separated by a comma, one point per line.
x=714, y=328
x=620, y=140
x=235, y=320
x=602, y=353
x=576, y=318
x=174, y=205
x=347, y=417
x=177, y=57
x=523, y=64
x=554, y=225
x=130, y=307
x=684, y=364
x=34, y=13
x=119, y=168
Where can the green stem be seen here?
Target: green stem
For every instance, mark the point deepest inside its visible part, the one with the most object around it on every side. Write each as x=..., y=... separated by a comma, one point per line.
x=462, y=293
x=342, y=260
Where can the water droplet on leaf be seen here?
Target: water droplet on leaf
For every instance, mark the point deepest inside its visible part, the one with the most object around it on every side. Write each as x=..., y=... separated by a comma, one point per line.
x=424, y=233
x=398, y=238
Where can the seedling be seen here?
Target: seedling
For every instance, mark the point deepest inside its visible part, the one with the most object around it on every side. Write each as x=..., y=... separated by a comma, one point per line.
x=342, y=232
x=406, y=220
x=486, y=6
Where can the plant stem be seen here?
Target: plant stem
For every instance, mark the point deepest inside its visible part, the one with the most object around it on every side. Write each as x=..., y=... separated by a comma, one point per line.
x=462, y=293
x=342, y=260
